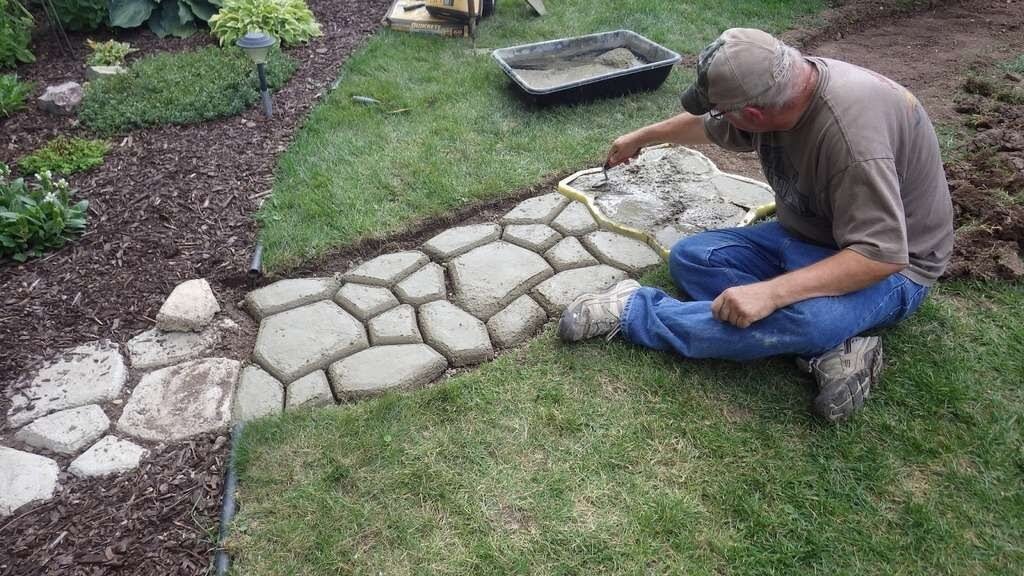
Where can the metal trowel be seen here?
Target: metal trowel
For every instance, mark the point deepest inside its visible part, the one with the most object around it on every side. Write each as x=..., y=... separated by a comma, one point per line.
x=604, y=172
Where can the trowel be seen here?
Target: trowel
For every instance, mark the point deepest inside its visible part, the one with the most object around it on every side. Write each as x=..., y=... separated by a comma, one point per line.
x=538, y=7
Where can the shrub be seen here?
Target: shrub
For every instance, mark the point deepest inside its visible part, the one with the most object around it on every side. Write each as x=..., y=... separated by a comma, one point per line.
x=165, y=17
x=65, y=156
x=179, y=88
x=290, y=21
x=13, y=93
x=36, y=216
x=81, y=15
x=109, y=53
x=15, y=32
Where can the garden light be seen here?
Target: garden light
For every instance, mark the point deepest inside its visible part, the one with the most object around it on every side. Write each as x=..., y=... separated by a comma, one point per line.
x=257, y=45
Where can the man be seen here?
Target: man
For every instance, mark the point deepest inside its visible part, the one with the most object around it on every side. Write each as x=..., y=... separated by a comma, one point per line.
x=864, y=228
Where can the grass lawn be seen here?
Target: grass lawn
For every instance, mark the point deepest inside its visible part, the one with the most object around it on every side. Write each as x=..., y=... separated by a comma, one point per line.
x=608, y=459
x=355, y=171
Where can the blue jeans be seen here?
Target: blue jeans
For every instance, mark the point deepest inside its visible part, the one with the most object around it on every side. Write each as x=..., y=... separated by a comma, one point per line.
x=704, y=265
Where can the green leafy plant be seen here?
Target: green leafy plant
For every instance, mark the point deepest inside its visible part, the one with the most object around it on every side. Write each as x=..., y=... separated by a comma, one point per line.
x=37, y=215
x=13, y=93
x=178, y=88
x=15, y=33
x=109, y=53
x=81, y=15
x=64, y=155
x=290, y=21
x=165, y=17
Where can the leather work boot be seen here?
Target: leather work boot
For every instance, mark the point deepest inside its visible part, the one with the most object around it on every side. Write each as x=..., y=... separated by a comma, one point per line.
x=845, y=375
x=598, y=314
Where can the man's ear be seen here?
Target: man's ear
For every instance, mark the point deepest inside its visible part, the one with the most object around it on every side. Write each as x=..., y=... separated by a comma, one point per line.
x=753, y=114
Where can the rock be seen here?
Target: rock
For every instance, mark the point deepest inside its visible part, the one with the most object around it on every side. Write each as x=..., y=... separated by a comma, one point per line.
x=189, y=308
x=88, y=374
x=575, y=220
x=488, y=278
x=309, y=391
x=96, y=72
x=388, y=269
x=621, y=252
x=259, y=394
x=181, y=401
x=536, y=237
x=457, y=241
x=62, y=99
x=384, y=368
x=25, y=478
x=156, y=348
x=557, y=292
x=396, y=326
x=424, y=285
x=364, y=302
x=294, y=343
x=455, y=333
x=569, y=254
x=288, y=294
x=538, y=210
x=66, y=432
x=517, y=322
x=110, y=455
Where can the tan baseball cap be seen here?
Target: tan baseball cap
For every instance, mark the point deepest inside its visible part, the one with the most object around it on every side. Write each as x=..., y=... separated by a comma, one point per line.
x=732, y=71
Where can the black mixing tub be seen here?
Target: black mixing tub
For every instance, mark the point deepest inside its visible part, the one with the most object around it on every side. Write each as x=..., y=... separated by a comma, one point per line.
x=649, y=69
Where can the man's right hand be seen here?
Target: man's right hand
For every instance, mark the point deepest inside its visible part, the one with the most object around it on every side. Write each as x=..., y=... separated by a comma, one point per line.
x=624, y=149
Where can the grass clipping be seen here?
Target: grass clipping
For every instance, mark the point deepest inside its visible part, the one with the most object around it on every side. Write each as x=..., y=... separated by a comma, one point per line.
x=180, y=88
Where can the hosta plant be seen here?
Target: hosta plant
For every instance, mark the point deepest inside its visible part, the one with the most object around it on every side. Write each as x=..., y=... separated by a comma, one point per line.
x=36, y=215
x=81, y=15
x=164, y=17
x=290, y=21
x=109, y=53
x=13, y=93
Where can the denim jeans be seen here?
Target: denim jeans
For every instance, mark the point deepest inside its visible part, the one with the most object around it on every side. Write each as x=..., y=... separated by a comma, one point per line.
x=705, y=264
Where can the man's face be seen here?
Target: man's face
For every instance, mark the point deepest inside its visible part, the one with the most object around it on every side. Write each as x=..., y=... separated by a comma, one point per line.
x=751, y=119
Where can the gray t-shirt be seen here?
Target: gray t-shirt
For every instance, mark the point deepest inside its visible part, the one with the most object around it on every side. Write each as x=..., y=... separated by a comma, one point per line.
x=861, y=169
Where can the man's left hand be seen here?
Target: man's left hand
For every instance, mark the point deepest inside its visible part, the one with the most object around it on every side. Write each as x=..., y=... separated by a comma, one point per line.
x=741, y=306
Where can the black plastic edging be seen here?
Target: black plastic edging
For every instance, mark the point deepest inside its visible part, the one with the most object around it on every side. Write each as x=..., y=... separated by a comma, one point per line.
x=221, y=560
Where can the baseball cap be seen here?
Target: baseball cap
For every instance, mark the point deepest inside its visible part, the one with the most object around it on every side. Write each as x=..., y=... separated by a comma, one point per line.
x=732, y=71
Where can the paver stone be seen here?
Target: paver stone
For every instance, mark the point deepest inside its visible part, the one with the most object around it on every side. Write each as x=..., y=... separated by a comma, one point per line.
x=537, y=210
x=536, y=237
x=462, y=338
x=424, y=285
x=575, y=220
x=294, y=343
x=456, y=241
x=396, y=326
x=517, y=322
x=557, y=292
x=388, y=269
x=287, y=294
x=309, y=391
x=67, y=431
x=156, y=348
x=488, y=278
x=569, y=254
x=189, y=308
x=111, y=455
x=25, y=478
x=621, y=252
x=363, y=301
x=259, y=394
x=384, y=368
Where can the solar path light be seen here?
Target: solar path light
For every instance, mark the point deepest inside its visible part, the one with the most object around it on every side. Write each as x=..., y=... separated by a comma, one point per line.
x=257, y=44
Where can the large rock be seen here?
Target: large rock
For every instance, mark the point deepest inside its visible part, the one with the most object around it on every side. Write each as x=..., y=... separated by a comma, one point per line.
x=259, y=394
x=25, y=478
x=88, y=374
x=457, y=241
x=365, y=302
x=517, y=322
x=455, y=333
x=569, y=254
x=536, y=237
x=110, y=455
x=388, y=269
x=488, y=278
x=66, y=432
x=396, y=326
x=575, y=220
x=309, y=391
x=189, y=308
x=181, y=401
x=294, y=343
x=557, y=292
x=384, y=368
x=62, y=99
x=621, y=252
x=156, y=348
x=537, y=210
x=288, y=294
x=424, y=285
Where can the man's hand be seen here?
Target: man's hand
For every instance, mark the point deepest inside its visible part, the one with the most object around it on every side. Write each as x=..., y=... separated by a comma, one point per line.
x=623, y=149
x=741, y=306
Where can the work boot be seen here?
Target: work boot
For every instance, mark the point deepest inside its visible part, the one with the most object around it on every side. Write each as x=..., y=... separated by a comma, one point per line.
x=599, y=314
x=845, y=375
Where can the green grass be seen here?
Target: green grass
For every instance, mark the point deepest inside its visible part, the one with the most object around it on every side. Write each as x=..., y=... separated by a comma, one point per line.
x=64, y=155
x=355, y=171
x=609, y=459
x=13, y=93
x=178, y=88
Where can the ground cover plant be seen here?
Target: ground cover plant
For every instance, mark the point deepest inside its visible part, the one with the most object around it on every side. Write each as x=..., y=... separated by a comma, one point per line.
x=179, y=88
x=354, y=171
x=36, y=215
x=289, y=21
x=64, y=155
x=13, y=93
x=15, y=33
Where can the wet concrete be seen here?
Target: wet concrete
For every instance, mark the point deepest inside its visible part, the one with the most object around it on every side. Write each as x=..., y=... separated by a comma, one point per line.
x=552, y=71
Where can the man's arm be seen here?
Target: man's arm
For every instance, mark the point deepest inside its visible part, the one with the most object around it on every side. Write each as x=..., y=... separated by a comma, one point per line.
x=685, y=129
x=842, y=273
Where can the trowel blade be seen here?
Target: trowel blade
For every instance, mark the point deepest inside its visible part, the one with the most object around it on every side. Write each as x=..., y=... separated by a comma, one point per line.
x=538, y=7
